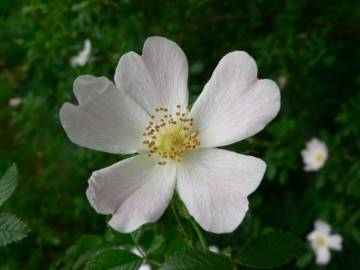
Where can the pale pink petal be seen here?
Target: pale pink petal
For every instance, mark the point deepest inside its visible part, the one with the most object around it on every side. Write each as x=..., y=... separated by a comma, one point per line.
x=322, y=255
x=136, y=191
x=311, y=236
x=214, y=185
x=335, y=242
x=234, y=104
x=83, y=56
x=105, y=119
x=322, y=226
x=157, y=78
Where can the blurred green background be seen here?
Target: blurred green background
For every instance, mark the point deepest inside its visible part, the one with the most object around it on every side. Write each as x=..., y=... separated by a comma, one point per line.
x=310, y=47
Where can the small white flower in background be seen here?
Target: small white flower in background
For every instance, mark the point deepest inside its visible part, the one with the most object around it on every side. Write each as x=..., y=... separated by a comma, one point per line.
x=282, y=81
x=314, y=155
x=83, y=56
x=321, y=242
x=146, y=112
x=15, y=102
x=214, y=249
x=144, y=266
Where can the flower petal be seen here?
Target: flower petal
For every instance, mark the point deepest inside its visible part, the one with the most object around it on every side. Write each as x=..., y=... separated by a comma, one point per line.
x=214, y=185
x=234, y=104
x=136, y=191
x=335, y=242
x=322, y=226
x=158, y=78
x=311, y=236
x=106, y=119
x=322, y=255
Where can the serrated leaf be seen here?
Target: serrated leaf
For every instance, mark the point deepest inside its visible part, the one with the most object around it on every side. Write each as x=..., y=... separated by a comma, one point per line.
x=11, y=229
x=115, y=260
x=197, y=260
x=8, y=183
x=271, y=250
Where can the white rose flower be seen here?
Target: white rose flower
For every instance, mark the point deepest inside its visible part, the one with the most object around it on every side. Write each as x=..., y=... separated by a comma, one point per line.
x=15, y=102
x=146, y=112
x=83, y=56
x=321, y=242
x=314, y=155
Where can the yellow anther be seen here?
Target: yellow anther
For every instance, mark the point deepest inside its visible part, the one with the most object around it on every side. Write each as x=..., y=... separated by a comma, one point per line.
x=169, y=136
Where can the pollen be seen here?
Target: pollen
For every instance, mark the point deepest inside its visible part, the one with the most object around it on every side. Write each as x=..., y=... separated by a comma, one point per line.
x=319, y=241
x=169, y=136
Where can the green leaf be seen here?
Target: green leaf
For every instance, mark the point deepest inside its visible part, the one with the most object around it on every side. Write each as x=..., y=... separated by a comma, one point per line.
x=197, y=260
x=8, y=183
x=11, y=229
x=115, y=259
x=124, y=238
x=78, y=254
x=176, y=245
x=305, y=259
x=156, y=244
x=147, y=239
x=85, y=243
x=271, y=250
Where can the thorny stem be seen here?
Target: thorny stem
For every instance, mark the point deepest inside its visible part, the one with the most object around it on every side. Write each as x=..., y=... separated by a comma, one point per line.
x=177, y=218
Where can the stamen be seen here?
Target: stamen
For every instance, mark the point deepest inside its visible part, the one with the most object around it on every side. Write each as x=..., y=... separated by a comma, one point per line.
x=169, y=136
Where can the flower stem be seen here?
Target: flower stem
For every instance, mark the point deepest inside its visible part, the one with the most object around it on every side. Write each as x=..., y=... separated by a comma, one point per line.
x=199, y=234
x=181, y=226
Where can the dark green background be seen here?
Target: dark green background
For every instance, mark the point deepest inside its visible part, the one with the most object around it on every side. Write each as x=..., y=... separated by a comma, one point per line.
x=314, y=44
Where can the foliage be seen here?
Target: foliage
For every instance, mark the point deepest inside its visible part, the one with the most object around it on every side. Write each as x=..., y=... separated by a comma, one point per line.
x=114, y=259
x=270, y=250
x=197, y=259
x=8, y=183
x=11, y=228
x=312, y=44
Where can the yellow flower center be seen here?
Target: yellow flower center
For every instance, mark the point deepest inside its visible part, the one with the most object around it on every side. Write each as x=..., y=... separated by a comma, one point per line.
x=169, y=136
x=319, y=241
x=319, y=157
x=172, y=138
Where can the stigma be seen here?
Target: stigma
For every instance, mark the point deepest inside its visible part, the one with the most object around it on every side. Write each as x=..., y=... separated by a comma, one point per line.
x=170, y=135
